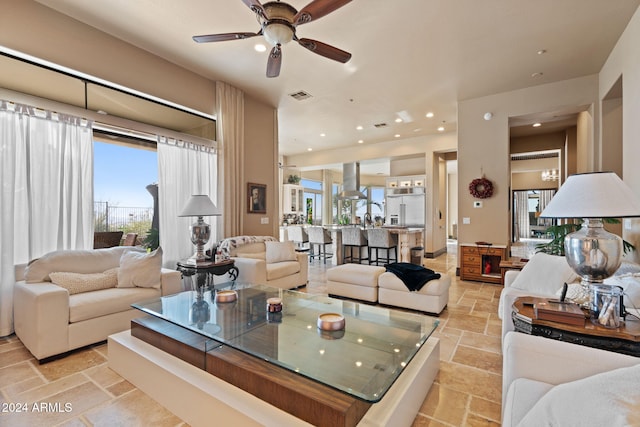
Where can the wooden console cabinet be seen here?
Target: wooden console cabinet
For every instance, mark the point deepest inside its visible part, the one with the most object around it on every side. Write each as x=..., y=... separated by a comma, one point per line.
x=481, y=262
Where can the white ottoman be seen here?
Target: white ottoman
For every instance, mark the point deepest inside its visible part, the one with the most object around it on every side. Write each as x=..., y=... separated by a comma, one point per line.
x=357, y=281
x=431, y=298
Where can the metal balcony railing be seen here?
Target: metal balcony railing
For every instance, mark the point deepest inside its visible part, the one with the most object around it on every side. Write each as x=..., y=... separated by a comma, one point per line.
x=125, y=219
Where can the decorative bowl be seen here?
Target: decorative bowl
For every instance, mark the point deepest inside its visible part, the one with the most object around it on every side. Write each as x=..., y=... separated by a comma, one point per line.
x=226, y=296
x=331, y=322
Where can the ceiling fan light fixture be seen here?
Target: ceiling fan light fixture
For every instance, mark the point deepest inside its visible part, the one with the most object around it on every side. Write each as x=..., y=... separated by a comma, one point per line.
x=278, y=33
x=278, y=21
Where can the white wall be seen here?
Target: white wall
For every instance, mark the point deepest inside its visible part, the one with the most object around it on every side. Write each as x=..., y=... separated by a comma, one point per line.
x=624, y=61
x=483, y=148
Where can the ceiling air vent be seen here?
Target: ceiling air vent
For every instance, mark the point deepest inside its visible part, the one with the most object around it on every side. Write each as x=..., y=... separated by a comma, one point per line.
x=380, y=125
x=300, y=95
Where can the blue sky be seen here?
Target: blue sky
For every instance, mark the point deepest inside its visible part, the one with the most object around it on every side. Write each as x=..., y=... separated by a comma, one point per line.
x=121, y=174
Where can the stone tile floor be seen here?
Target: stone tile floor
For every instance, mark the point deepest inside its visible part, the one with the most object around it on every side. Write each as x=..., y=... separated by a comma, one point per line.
x=81, y=390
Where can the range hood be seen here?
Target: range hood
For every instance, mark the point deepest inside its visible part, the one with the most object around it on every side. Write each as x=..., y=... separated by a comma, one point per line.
x=351, y=182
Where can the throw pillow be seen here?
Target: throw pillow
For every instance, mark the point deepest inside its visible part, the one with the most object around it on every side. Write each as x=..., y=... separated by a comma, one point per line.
x=280, y=251
x=544, y=274
x=76, y=283
x=75, y=261
x=608, y=399
x=140, y=269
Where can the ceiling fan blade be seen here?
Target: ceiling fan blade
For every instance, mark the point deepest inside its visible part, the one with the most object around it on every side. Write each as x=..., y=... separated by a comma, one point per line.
x=317, y=9
x=224, y=37
x=325, y=50
x=255, y=6
x=274, y=62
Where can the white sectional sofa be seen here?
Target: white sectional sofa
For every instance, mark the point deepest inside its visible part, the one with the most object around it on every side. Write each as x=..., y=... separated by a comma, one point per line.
x=553, y=383
x=53, y=319
x=263, y=260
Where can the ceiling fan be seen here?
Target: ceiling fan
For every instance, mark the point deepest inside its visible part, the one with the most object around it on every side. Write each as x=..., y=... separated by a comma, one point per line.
x=278, y=23
x=283, y=166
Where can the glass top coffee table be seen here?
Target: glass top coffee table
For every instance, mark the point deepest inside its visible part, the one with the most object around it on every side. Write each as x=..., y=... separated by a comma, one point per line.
x=363, y=359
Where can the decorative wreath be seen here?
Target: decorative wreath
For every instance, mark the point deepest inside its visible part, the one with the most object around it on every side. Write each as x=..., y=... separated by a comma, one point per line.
x=481, y=188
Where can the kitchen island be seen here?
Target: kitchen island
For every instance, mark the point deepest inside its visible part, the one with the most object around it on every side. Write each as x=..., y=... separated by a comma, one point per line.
x=408, y=237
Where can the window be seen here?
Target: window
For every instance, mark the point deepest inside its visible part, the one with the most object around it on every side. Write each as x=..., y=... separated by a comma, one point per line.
x=335, y=190
x=312, y=201
x=121, y=175
x=376, y=207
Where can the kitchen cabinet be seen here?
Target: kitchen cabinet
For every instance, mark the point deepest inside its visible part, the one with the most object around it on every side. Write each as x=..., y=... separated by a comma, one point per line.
x=481, y=262
x=293, y=199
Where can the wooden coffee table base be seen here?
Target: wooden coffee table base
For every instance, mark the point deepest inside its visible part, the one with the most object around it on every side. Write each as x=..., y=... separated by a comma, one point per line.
x=200, y=398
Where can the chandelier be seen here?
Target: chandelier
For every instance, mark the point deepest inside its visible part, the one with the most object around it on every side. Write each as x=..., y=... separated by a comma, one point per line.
x=550, y=175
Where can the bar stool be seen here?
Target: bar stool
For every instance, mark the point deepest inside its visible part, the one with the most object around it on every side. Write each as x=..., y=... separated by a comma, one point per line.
x=299, y=236
x=380, y=238
x=353, y=238
x=319, y=237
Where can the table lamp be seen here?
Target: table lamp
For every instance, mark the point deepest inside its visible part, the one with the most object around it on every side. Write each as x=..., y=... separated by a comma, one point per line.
x=200, y=205
x=592, y=252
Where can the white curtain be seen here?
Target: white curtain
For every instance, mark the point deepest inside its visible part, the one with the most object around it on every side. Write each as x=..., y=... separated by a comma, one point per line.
x=184, y=169
x=46, y=191
x=543, y=200
x=230, y=136
x=521, y=225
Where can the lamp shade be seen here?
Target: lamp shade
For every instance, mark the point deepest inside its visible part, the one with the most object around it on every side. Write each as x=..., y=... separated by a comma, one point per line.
x=200, y=205
x=593, y=195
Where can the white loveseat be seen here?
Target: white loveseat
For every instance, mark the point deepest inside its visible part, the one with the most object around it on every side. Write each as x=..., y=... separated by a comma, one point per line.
x=552, y=383
x=53, y=319
x=263, y=260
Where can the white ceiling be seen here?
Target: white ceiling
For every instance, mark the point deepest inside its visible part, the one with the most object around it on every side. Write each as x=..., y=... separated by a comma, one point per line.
x=411, y=56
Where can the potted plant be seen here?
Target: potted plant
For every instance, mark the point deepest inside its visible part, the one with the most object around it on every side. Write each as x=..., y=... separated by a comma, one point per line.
x=559, y=232
x=152, y=241
x=293, y=179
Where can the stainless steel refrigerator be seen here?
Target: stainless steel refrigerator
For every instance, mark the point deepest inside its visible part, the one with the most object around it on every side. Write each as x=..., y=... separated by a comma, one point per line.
x=405, y=207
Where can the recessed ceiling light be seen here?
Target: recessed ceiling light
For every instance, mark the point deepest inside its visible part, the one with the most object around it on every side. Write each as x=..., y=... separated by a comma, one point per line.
x=260, y=47
x=101, y=112
x=398, y=120
x=358, y=127
x=542, y=51
x=441, y=129
x=429, y=115
x=322, y=134
x=309, y=149
x=397, y=135
x=534, y=75
x=360, y=141
x=537, y=125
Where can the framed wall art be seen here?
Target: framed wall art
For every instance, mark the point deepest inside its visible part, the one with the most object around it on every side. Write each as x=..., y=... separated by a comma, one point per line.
x=257, y=198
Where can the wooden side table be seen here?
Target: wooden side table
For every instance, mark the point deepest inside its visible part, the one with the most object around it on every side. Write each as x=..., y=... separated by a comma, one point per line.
x=510, y=264
x=475, y=257
x=205, y=270
x=625, y=339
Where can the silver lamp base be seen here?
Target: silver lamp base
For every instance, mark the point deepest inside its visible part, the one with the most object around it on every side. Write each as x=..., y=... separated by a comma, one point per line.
x=200, y=234
x=593, y=253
